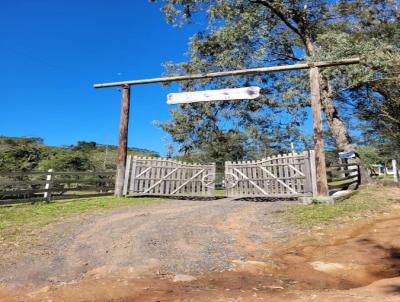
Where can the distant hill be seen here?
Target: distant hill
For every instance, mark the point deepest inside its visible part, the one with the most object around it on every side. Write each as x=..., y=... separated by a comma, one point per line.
x=30, y=153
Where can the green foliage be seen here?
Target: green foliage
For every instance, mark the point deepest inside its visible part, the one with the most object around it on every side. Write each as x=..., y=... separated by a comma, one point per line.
x=247, y=33
x=218, y=146
x=370, y=89
x=27, y=154
x=85, y=146
x=67, y=160
x=19, y=154
x=371, y=155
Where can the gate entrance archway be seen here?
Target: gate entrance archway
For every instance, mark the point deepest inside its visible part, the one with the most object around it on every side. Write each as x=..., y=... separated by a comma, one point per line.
x=321, y=180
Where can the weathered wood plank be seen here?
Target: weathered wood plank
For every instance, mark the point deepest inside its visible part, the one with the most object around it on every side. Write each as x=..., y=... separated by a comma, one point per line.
x=127, y=172
x=245, y=93
x=69, y=173
x=53, y=189
x=342, y=185
x=340, y=172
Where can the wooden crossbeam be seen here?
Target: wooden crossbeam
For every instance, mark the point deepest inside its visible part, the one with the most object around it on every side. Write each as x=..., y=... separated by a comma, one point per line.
x=187, y=181
x=297, y=170
x=141, y=173
x=160, y=181
x=277, y=179
x=231, y=73
x=250, y=181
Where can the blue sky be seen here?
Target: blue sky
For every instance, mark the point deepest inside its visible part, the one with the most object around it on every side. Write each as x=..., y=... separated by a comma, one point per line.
x=52, y=52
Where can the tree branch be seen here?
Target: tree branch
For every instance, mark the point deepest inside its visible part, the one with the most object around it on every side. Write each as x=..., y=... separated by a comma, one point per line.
x=281, y=15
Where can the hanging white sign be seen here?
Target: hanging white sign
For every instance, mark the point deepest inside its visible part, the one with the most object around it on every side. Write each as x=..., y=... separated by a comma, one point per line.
x=245, y=93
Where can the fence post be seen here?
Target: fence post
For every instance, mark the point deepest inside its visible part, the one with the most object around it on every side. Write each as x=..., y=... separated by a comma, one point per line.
x=307, y=172
x=122, y=141
x=126, y=178
x=213, y=172
x=48, y=185
x=313, y=169
x=395, y=171
x=133, y=175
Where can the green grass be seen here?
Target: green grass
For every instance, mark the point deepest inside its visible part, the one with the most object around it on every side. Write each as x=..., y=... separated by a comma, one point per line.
x=219, y=192
x=39, y=214
x=361, y=202
x=385, y=177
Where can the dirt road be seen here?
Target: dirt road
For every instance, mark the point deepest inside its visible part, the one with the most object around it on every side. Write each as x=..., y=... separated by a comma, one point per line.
x=176, y=236
x=221, y=250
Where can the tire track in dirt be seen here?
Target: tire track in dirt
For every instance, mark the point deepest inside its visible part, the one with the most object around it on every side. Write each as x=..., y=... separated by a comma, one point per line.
x=215, y=233
x=172, y=237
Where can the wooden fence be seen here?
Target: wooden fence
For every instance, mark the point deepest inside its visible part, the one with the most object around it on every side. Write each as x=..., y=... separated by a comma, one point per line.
x=161, y=176
x=342, y=176
x=33, y=186
x=285, y=175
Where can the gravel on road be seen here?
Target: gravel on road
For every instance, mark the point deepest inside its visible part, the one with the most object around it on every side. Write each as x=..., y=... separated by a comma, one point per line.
x=175, y=236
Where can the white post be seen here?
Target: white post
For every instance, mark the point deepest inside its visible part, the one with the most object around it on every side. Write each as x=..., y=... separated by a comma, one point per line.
x=49, y=180
x=395, y=171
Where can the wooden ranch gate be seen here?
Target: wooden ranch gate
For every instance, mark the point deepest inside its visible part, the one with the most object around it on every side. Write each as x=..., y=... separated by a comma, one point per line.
x=160, y=176
x=287, y=175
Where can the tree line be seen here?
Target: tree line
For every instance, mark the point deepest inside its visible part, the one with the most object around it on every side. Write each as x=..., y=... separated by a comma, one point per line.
x=31, y=154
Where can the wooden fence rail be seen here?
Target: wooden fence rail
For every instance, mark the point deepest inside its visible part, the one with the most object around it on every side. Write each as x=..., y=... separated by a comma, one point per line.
x=16, y=187
x=342, y=176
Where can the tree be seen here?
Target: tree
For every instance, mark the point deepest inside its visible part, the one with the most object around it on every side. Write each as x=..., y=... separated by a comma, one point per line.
x=370, y=89
x=66, y=160
x=19, y=154
x=251, y=33
x=85, y=146
x=221, y=146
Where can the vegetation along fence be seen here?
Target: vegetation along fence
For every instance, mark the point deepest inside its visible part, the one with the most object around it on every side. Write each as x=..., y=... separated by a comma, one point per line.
x=161, y=176
x=343, y=176
x=34, y=186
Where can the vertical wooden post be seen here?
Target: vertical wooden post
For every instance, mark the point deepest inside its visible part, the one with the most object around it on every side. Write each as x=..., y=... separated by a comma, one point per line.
x=307, y=173
x=395, y=171
x=313, y=173
x=127, y=171
x=47, y=186
x=122, y=141
x=322, y=183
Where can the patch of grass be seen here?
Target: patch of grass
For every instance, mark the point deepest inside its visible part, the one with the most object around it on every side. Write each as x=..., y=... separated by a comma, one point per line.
x=45, y=213
x=385, y=177
x=366, y=199
x=219, y=192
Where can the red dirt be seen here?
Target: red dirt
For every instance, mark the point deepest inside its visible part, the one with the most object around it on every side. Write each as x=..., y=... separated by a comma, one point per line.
x=357, y=257
x=353, y=261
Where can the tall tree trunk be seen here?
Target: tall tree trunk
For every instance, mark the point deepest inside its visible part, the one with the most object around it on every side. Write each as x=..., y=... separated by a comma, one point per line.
x=335, y=123
x=333, y=119
x=339, y=129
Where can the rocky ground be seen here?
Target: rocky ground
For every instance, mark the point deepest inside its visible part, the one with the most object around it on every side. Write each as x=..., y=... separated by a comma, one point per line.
x=175, y=236
x=215, y=250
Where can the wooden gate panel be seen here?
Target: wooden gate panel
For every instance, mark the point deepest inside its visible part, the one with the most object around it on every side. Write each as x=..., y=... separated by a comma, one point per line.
x=161, y=176
x=285, y=175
